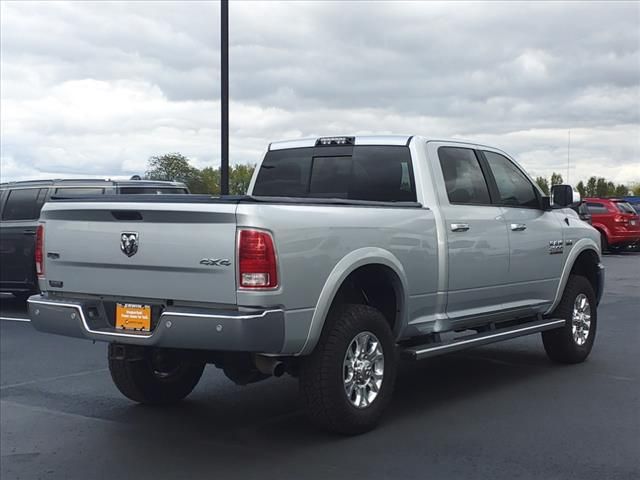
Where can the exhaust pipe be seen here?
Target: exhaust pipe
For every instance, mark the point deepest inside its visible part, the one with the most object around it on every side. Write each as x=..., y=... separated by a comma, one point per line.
x=269, y=366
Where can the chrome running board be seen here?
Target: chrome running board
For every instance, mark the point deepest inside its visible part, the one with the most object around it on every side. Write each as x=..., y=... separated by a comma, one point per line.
x=437, y=348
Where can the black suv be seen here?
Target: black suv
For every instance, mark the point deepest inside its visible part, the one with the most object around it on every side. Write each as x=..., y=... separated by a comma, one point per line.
x=20, y=205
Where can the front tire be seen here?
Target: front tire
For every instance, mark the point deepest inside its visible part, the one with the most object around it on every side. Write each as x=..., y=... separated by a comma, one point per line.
x=573, y=342
x=347, y=382
x=153, y=376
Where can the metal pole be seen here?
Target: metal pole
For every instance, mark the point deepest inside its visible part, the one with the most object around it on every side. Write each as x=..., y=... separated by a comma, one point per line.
x=224, y=97
x=568, y=155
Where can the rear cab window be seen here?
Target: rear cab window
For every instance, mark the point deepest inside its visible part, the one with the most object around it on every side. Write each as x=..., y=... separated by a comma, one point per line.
x=362, y=172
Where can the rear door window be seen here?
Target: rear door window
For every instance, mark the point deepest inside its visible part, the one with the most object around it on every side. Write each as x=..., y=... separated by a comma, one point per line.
x=514, y=188
x=23, y=204
x=373, y=173
x=596, y=208
x=463, y=177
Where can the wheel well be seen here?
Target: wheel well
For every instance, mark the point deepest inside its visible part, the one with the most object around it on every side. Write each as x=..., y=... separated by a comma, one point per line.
x=375, y=285
x=587, y=265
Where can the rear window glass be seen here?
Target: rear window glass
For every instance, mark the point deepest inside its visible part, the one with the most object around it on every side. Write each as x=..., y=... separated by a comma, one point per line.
x=463, y=177
x=79, y=191
x=23, y=204
x=625, y=207
x=151, y=190
x=375, y=173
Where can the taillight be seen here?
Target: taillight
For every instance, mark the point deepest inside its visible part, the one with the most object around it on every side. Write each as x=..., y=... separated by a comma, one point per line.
x=257, y=267
x=39, y=251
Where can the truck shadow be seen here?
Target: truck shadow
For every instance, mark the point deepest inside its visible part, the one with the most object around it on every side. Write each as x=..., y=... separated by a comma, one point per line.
x=271, y=411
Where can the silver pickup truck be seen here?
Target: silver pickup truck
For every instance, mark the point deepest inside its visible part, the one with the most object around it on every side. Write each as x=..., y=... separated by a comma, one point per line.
x=347, y=254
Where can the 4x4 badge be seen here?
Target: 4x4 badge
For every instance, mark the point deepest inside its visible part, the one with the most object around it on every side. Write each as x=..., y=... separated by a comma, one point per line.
x=129, y=243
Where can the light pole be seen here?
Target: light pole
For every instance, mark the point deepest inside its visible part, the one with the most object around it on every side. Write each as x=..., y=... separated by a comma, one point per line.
x=224, y=97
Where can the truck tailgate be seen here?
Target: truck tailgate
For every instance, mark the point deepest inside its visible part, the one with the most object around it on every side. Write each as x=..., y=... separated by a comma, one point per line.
x=166, y=251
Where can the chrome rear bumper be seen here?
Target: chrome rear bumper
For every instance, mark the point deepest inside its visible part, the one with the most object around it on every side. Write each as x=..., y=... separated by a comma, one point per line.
x=177, y=327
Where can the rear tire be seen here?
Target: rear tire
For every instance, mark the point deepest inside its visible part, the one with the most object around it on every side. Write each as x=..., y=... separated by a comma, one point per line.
x=573, y=342
x=143, y=377
x=347, y=382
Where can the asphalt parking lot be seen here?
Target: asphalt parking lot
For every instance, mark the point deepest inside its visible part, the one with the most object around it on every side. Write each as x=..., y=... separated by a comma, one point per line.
x=497, y=412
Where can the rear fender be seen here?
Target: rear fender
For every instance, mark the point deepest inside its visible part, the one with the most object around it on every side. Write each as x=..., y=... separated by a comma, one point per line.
x=348, y=264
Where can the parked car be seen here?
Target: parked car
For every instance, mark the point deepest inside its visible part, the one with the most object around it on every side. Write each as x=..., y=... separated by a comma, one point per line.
x=20, y=205
x=616, y=220
x=347, y=252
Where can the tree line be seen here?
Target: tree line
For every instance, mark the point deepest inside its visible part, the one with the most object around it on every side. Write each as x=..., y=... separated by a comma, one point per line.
x=595, y=186
x=177, y=167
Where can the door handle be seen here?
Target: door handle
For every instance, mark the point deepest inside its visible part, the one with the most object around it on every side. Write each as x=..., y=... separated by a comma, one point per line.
x=459, y=227
x=518, y=227
x=28, y=232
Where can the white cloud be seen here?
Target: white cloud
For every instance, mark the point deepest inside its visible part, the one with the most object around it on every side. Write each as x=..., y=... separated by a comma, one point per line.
x=94, y=89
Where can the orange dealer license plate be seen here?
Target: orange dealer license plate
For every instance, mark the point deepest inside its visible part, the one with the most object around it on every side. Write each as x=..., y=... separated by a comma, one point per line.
x=133, y=317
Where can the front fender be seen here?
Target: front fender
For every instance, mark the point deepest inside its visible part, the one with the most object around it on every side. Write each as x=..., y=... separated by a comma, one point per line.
x=348, y=264
x=580, y=246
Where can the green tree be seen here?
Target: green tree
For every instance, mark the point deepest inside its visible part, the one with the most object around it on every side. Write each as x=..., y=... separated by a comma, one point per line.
x=602, y=188
x=634, y=187
x=621, y=191
x=582, y=189
x=170, y=166
x=591, y=187
x=239, y=178
x=556, y=179
x=543, y=183
x=211, y=178
x=175, y=167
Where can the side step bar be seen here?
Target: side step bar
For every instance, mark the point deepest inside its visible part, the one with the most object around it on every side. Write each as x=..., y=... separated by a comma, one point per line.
x=432, y=349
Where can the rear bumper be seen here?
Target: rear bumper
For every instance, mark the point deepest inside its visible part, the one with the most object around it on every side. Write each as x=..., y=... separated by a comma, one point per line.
x=618, y=237
x=177, y=327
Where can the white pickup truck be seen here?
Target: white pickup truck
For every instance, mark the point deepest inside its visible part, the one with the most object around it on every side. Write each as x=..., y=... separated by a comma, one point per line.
x=347, y=254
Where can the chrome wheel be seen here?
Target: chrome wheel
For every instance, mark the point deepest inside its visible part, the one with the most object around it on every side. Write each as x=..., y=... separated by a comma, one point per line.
x=363, y=369
x=581, y=319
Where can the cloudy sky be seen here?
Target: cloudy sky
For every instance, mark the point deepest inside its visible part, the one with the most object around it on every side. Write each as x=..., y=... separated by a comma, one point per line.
x=95, y=89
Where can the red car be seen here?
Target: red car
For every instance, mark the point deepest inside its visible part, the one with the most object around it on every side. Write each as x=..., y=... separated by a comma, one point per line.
x=616, y=220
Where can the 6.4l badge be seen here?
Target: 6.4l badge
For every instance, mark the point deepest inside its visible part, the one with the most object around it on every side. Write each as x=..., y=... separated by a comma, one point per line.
x=129, y=243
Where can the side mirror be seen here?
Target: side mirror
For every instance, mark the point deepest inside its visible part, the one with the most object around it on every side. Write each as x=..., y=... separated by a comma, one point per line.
x=564, y=196
x=545, y=203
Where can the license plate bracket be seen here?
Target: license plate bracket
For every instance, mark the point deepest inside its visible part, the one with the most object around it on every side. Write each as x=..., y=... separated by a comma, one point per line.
x=131, y=316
